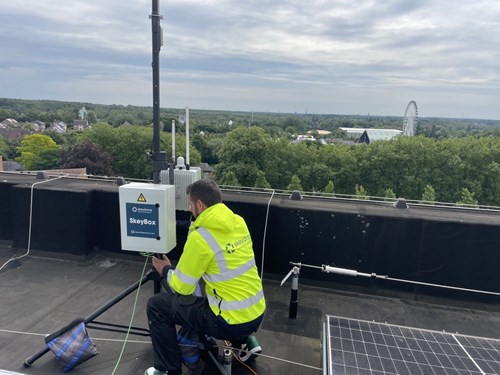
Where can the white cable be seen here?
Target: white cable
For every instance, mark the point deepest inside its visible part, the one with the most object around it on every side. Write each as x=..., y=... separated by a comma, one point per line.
x=264, y=236
x=290, y=362
x=271, y=357
x=131, y=318
x=149, y=343
x=468, y=355
x=93, y=337
x=22, y=332
x=30, y=221
x=349, y=272
x=442, y=286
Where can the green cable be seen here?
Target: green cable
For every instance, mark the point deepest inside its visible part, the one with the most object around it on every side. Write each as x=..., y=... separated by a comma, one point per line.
x=132, y=317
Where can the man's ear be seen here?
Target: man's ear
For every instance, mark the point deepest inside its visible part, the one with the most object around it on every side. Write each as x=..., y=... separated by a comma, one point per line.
x=201, y=204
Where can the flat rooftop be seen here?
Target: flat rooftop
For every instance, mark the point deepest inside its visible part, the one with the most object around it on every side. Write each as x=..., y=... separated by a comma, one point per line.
x=43, y=291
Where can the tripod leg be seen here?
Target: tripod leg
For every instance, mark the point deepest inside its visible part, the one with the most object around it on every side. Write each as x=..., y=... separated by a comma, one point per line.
x=151, y=275
x=216, y=363
x=30, y=360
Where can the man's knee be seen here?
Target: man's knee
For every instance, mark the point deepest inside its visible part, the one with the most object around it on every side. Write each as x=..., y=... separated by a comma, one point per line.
x=159, y=306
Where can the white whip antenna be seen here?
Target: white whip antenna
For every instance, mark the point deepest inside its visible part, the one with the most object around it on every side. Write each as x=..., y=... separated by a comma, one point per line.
x=187, y=136
x=173, y=141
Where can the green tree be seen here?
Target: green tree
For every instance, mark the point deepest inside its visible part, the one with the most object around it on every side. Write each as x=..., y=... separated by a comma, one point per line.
x=429, y=194
x=128, y=146
x=245, y=152
x=491, y=182
x=341, y=162
x=330, y=188
x=58, y=138
x=213, y=146
x=91, y=117
x=102, y=134
x=261, y=181
x=293, y=123
x=4, y=148
x=200, y=143
x=284, y=160
x=479, y=157
x=360, y=192
x=467, y=198
x=246, y=145
x=33, y=148
x=315, y=176
x=90, y=156
x=389, y=194
x=209, y=147
x=228, y=179
x=295, y=183
x=11, y=151
x=401, y=164
x=49, y=159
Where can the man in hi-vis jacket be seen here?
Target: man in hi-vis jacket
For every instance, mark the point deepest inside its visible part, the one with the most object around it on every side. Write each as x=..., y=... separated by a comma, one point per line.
x=219, y=250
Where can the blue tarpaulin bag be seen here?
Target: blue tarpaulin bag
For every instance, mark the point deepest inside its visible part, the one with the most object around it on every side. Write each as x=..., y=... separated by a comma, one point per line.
x=190, y=343
x=71, y=345
x=190, y=346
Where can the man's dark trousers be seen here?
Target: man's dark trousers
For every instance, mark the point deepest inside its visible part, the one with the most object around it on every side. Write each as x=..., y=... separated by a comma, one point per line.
x=166, y=310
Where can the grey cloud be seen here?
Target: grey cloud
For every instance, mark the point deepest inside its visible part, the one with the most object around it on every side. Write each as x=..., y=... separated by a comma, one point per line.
x=364, y=54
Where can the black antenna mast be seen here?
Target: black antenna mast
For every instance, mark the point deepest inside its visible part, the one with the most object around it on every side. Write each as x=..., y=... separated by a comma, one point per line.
x=159, y=157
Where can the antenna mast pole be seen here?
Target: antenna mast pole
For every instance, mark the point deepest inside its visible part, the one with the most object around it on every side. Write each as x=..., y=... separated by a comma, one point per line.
x=159, y=157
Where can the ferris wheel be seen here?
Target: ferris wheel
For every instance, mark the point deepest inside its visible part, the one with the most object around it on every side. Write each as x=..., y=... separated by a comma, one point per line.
x=410, y=119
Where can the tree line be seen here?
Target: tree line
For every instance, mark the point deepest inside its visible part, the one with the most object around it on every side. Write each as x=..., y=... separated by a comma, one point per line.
x=103, y=150
x=463, y=170
x=451, y=170
x=450, y=160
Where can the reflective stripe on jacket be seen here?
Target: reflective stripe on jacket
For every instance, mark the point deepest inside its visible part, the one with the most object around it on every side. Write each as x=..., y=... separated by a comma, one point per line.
x=219, y=250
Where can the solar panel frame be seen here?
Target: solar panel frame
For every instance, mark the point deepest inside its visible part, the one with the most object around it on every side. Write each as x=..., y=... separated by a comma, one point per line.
x=361, y=347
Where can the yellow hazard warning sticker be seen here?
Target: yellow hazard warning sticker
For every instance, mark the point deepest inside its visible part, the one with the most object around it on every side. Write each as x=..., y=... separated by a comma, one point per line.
x=141, y=198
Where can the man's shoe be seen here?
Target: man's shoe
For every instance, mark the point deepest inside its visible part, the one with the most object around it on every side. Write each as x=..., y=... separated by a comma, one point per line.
x=153, y=371
x=250, y=350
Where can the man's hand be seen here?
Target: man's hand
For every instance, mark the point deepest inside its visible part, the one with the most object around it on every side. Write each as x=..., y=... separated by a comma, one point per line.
x=160, y=264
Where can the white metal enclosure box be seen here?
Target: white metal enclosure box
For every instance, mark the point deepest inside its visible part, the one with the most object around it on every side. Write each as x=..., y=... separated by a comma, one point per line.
x=147, y=217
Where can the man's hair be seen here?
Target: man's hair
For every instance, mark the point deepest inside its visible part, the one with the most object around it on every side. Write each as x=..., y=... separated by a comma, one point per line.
x=206, y=191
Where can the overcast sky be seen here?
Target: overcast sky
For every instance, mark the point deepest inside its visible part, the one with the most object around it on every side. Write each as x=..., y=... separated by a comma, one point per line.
x=315, y=56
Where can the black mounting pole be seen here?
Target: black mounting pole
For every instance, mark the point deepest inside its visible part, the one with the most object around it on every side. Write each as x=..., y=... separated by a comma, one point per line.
x=294, y=294
x=159, y=157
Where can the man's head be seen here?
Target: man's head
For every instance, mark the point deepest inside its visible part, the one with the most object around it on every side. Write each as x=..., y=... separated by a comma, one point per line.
x=202, y=194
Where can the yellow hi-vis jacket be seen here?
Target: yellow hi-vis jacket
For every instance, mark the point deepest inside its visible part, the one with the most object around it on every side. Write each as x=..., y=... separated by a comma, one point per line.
x=219, y=250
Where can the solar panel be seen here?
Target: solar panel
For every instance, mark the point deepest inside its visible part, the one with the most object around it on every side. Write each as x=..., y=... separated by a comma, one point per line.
x=358, y=347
